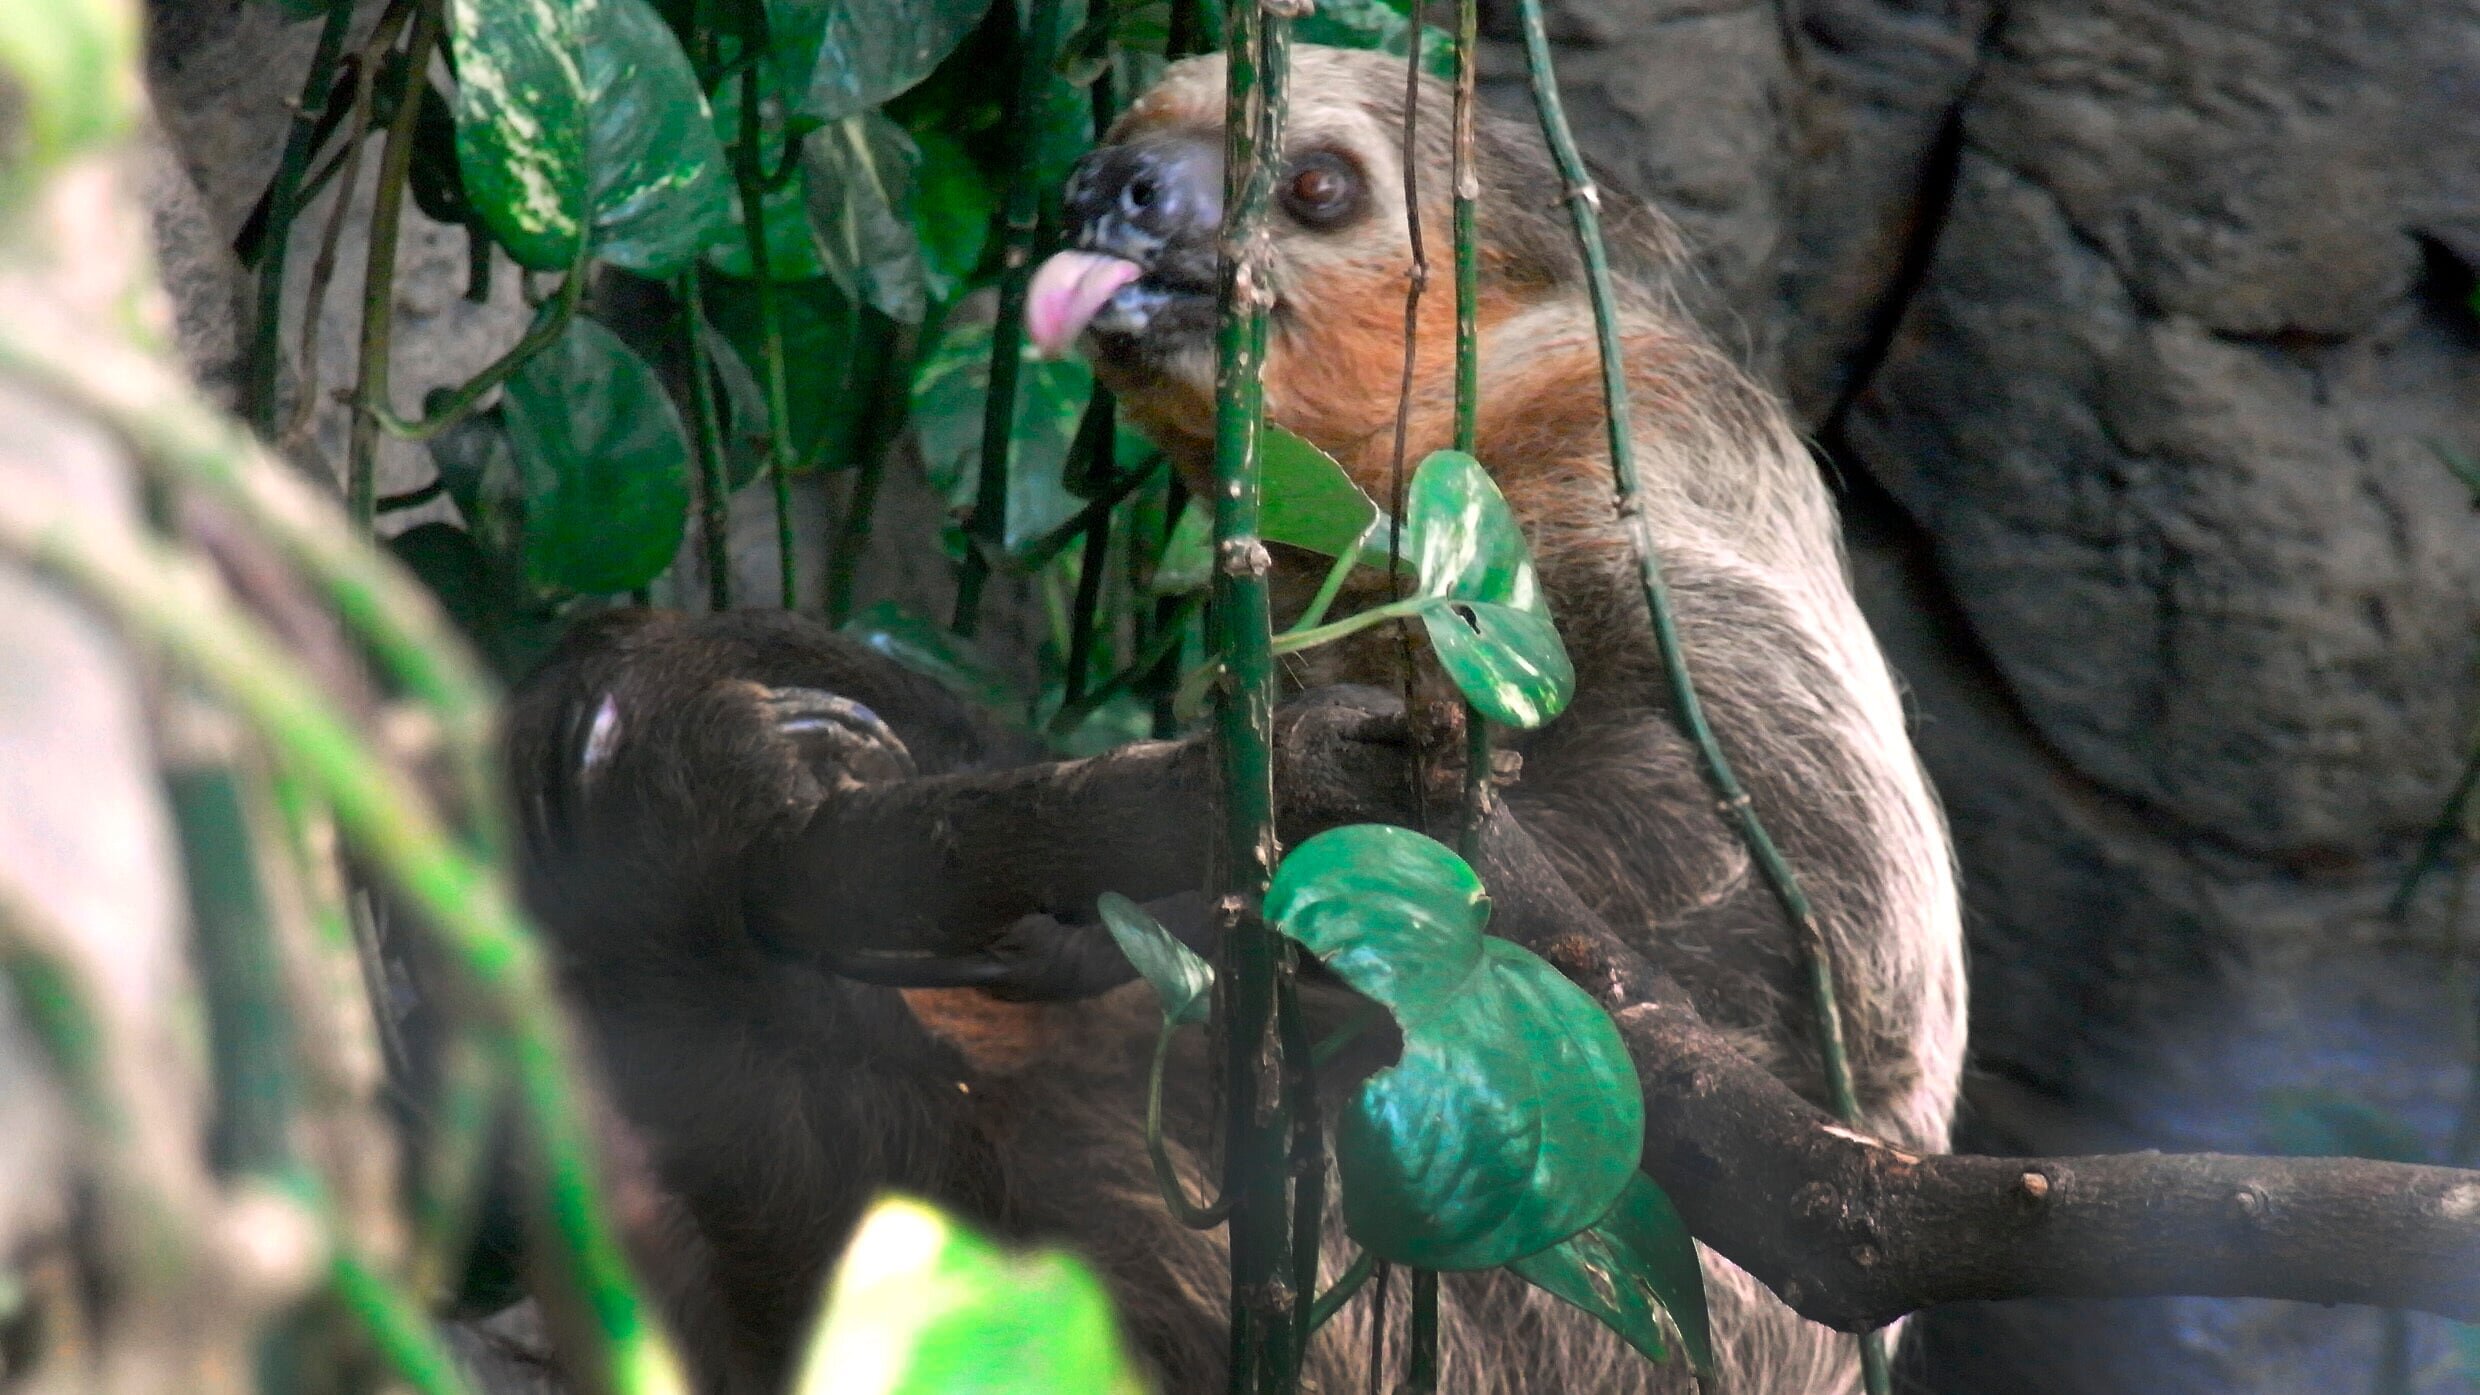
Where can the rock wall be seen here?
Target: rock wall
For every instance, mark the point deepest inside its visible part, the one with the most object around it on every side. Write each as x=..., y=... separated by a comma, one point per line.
x=2131, y=329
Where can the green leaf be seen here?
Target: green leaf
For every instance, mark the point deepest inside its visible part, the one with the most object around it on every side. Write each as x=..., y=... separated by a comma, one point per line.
x=1636, y=1270
x=2319, y=1123
x=949, y=387
x=843, y=58
x=1184, y=982
x=75, y=65
x=604, y=461
x=1489, y=622
x=1513, y=1119
x=859, y=175
x=951, y=211
x=1309, y=501
x=929, y=650
x=921, y=1306
x=791, y=247
x=1376, y=24
x=580, y=126
x=834, y=352
x=1187, y=561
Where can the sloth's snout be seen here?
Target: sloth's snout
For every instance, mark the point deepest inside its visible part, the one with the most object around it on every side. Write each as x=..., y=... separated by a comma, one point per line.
x=1134, y=200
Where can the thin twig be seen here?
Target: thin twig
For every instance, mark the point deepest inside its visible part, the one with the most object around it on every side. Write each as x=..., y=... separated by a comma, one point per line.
x=1584, y=205
x=370, y=391
x=284, y=200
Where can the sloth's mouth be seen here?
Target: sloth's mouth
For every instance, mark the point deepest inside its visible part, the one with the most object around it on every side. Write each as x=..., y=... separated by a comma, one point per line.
x=1119, y=301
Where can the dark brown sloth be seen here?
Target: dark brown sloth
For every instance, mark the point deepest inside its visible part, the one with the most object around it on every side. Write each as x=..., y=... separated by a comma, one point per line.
x=830, y=939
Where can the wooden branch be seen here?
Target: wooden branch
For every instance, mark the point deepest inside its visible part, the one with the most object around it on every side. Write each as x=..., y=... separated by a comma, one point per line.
x=1854, y=1232
x=1850, y=1231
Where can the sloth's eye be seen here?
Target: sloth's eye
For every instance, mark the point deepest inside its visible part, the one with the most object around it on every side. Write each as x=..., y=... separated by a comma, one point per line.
x=1323, y=191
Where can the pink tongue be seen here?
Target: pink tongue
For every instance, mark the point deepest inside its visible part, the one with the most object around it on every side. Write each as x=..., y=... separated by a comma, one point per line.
x=1067, y=292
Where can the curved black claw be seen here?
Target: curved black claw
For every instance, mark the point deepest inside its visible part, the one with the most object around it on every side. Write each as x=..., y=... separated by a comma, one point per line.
x=1038, y=958
x=837, y=736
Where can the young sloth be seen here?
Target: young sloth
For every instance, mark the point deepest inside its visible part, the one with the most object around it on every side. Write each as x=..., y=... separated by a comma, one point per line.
x=803, y=935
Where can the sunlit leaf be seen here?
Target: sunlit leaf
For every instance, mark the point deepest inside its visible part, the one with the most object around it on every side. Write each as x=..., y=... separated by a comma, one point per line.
x=1490, y=623
x=74, y=65
x=930, y=650
x=841, y=59
x=950, y=385
x=859, y=177
x=921, y=1306
x=1513, y=1118
x=604, y=462
x=583, y=123
x=1184, y=982
x=1636, y=1270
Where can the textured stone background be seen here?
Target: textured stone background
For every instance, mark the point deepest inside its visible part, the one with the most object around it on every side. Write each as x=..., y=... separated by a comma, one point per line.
x=2127, y=327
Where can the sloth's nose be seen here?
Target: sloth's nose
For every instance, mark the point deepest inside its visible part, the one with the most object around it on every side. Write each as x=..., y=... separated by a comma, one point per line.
x=1129, y=200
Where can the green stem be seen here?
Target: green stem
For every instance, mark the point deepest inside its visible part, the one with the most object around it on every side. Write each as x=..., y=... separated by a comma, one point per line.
x=1166, y=1176
x=748, y=170
x=1294, y=640
x=1256, y=1132
x=168, y=601
x=397, y=1326
x=284, y=201
x=1421, y=1364
x=714, y=482
x=1161, y=646
x=1022, y=218
x=2440, y=837
x=1347, y=1284
x=241, y=970
x=1584, y=206
x=464, y=397
x=370, y=391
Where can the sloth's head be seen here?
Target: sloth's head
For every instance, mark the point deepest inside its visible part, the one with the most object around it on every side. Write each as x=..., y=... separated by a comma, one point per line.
x=1137, y=289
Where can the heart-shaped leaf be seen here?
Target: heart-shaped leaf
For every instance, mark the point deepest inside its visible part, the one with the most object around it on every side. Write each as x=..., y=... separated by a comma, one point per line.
x=1636, y=1270
x=921, y=1306
x=581, y=127
x=1184, y=982
x=841, y=59
x=859, y=175
x=1513, y=1118
x=1507, y=662
x=604, y=461
x=951, y=210
x=949, y=388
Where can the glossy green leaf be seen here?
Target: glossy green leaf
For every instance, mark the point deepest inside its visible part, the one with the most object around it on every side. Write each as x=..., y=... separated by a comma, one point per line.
x=582, y=123
x=1490, y=624
x=950, y=385
x=1184, y=982
x=921, y=1306
x=604, y=461
x=929, y=649
x=1513, y=1118
x=1636, y=1270
x=859, y=176
x=1378, y=25
x=1507, y=662
x=742, y=405
x=844, y=58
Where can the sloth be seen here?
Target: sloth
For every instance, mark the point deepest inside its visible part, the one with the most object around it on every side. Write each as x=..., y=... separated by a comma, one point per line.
x=831, y=935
